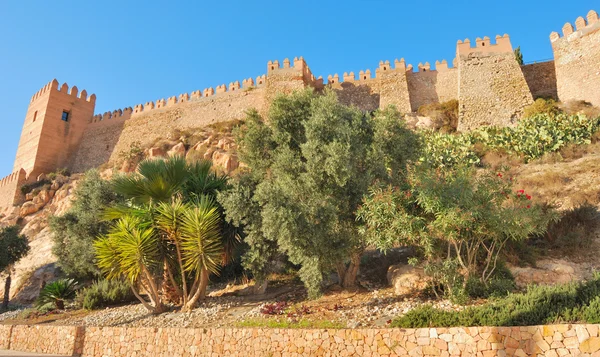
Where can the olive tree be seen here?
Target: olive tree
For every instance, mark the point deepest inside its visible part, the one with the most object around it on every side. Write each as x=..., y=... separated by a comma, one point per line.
x=311, y=161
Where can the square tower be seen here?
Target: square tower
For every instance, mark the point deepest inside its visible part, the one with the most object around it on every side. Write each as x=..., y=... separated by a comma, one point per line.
x=54, y=124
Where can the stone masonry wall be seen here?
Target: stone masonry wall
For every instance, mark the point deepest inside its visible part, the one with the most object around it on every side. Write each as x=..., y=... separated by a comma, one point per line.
x=10, y=189
x=551, y=340
x=541, y=79
x=577, y=60
x=103, y=141
x=492, y=89
x=60, y=340
x=426, y=86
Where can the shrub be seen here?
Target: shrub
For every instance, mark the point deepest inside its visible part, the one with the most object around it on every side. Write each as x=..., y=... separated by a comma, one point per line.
x=542, y=106
x=568, y=303
x=29, y=187
x=57, y=293
x=444, y=115
x=134, y=154
x=459, y=219
x=448, y=150
x=75, y=231
x=104, y=293
x=540, y=134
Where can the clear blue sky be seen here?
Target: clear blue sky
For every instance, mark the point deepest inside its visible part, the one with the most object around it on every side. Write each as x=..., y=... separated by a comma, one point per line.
x=130, y=52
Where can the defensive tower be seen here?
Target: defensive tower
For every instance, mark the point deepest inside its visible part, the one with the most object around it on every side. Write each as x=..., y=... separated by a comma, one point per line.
x=55, y=122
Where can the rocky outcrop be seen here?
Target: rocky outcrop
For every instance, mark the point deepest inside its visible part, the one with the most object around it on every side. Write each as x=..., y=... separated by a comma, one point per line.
x=406, y=279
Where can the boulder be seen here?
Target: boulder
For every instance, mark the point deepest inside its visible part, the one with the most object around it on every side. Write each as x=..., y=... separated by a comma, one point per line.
x=208, y=155
x=55, y=185
x=177, y=150
x=29, y=197
x=28, y=208
x=406, y=279
x=228, y=162
x=156, y=152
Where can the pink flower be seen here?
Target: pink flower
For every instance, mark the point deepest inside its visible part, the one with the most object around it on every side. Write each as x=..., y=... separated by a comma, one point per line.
x=521, y=191
x=528, y=197
x=499, y=174
x=528, y=206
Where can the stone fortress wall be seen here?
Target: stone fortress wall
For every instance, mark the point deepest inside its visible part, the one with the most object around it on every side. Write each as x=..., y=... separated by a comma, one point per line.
x=491, y=87
x=86, y=341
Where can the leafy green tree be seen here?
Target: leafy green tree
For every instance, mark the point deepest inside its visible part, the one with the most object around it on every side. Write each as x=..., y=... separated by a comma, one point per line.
x=453, y=215
x=75, y=231
x=310, y=164
x=13, y=247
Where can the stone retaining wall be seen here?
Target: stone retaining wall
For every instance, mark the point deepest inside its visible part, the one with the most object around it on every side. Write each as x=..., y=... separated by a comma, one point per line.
x=552, y=340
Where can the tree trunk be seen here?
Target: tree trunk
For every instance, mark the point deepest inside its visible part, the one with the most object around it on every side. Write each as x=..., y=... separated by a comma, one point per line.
x=6, y=292
x=60, y=305
x=351, y=272
x=199, y=293
x=260, y=287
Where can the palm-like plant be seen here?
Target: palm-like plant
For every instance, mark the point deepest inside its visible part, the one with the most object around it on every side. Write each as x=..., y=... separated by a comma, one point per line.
x=57, y=292
x=131, y=251
x=171, y=222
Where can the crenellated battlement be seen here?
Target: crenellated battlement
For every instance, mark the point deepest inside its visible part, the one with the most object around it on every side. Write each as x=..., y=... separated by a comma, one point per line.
x=484, y=45
x=582, y=26
x=54, y=86
x=15, y=176
x=119, y=114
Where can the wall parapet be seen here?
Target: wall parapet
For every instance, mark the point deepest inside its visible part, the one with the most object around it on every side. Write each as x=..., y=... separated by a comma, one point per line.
x=582, y=25
x=484, y=45
x=64, y=88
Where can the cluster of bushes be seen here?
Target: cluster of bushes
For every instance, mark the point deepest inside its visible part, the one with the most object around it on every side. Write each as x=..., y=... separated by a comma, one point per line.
x=531, y=139
x=568, y=303
x=104, y=293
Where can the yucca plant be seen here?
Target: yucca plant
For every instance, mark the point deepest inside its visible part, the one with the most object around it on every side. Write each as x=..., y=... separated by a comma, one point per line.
x=57, y=293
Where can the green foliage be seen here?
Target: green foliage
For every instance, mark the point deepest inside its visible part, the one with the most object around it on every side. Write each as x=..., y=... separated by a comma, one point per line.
x=28, y=187
x=568, y=303
x=542, y=106
x=457, y=218
x=104, y=293
x=59, y=172
x=519, y=56
x=449, y=150
x=13, y=247
x=310, y=164
x=75, y=231
x=57, y=292
x=532, y=138
x=541, y=134
x=170, y=226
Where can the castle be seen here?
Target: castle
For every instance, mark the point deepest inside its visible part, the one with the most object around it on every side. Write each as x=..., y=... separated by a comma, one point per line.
x=492, y=88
